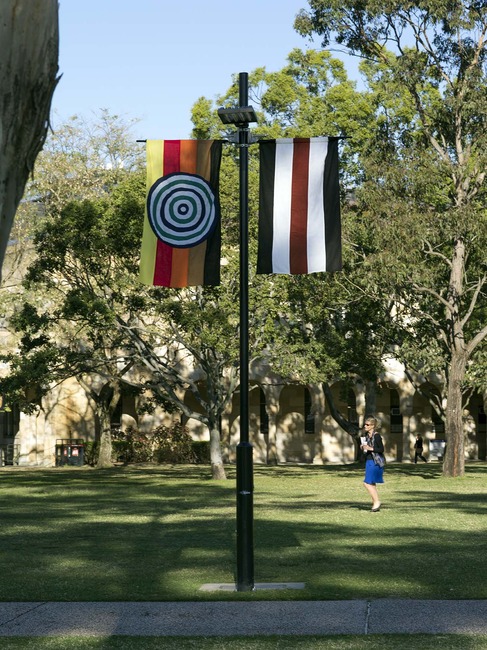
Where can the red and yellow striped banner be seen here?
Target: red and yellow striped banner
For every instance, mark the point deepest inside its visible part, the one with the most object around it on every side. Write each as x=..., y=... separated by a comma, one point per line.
x=182, y=178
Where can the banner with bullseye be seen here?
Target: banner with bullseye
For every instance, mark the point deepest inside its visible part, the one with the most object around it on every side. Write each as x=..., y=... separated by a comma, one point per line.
x=182, y=235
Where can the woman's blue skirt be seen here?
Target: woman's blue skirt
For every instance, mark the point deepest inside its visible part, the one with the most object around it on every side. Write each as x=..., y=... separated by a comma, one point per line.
x=373, y=473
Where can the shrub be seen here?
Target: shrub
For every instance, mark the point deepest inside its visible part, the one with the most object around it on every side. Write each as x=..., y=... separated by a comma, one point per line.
x=91, y=453
x=161, y=445
x=201, y=450
x=132, y=446
x=173, y=445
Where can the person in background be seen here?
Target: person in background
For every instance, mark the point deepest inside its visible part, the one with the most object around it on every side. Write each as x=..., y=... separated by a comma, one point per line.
x=418, y=449
x=373, y=473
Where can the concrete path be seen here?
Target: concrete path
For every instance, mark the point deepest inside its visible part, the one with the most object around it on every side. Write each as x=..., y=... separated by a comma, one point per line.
x=385, y=616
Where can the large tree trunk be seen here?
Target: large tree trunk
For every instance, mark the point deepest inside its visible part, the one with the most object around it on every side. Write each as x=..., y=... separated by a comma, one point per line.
x=104, y=459
x=107, y=402
x=29, y=42
x=217, y=468
x=454, y=461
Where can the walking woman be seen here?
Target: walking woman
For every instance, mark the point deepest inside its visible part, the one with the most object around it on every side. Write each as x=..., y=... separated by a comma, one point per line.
x=418, y=449
x=373, y=473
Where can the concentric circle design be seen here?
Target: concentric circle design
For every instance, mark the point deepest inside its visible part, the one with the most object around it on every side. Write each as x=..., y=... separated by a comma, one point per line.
x=182, y=209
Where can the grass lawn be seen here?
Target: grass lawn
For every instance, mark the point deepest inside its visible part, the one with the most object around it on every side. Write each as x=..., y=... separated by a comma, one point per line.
x=378, y=642
x=155, y=534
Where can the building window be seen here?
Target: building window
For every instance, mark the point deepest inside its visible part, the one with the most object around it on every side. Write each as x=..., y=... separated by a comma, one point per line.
x=116, y=418
x=352, y=414
x=264, y=418
x=309, y=418
x=396, y=415
x=438, y=424
x=9, y=421
x=482, y=419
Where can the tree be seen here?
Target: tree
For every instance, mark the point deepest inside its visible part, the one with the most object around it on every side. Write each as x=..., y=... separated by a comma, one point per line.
x=312, y=325
x=28, y=68
x=185, y=339
x=80, y=158
x=66, y=328
x=327, y=331
x=425, y=190
x=97, y=319
x=85, y=311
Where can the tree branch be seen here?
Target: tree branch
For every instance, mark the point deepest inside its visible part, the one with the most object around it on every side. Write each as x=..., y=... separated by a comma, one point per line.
x=351, y=428
x=434, y=253
x=435, y=294
x=473, y=301
x=477, y=339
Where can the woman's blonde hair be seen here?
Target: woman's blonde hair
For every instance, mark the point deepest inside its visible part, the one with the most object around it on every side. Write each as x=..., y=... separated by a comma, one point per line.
x=373, y=421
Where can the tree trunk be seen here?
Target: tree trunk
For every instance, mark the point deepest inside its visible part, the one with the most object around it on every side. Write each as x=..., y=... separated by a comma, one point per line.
x=105, y=449
x=454, y=461
x=217, y=469
x=107, y=402
x=29, y=42
x=350, y=427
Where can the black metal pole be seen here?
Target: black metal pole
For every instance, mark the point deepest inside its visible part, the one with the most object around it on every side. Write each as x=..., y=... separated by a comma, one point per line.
x=245, y=483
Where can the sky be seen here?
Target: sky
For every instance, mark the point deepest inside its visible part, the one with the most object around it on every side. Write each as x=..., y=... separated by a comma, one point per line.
x=152, y=59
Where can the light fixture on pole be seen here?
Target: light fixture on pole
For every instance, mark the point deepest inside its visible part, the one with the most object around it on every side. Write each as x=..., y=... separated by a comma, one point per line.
x=241, y=117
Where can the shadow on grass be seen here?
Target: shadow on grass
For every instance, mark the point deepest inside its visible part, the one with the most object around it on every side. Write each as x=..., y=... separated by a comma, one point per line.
x=294, y=642
x=111, y=534
x=298, y=472
x=427, y=471
x=159, y=533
